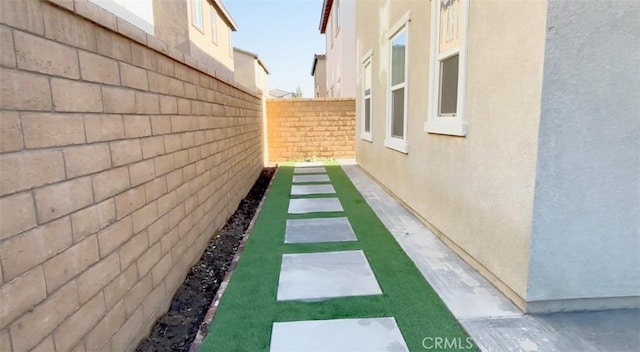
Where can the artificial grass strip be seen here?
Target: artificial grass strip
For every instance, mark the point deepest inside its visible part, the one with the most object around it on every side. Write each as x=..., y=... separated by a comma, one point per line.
x=248, y=308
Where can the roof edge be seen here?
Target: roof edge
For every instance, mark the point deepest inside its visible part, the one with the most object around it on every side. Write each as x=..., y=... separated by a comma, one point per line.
x=324, y=15
x=255, y=56
x=225, y=14
x=315, y=62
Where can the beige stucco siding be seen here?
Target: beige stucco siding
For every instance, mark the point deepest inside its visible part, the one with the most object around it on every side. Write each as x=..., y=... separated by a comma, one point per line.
x=202, y=45
x=477, y=190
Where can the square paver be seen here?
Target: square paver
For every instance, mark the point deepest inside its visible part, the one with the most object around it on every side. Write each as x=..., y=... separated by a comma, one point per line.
x=310, y=178
x=314, y=205
x=319, y=230
x=309, y=170
x=309, y=164
x=301, y=190
x=338, y=335
x=319, y=276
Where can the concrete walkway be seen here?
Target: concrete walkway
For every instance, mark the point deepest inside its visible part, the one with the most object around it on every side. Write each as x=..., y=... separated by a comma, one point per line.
x=325, y=275
x=494, y=323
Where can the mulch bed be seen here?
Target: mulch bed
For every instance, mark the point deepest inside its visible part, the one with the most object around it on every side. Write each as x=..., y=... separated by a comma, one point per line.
x=175, y=330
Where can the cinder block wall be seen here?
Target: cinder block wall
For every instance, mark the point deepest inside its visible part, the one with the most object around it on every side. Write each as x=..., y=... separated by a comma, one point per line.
x=119, y=159
x=304, y=128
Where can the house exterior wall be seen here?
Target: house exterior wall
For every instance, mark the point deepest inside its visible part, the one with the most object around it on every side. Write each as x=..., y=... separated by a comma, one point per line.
x=173, y=20
x=219, y=55
x=476, y=191
x=320, y=78
x=119, y=159
x=341, y=54
x=586, y=233
x=245, y=69
x=250, y=73
x=138, y=12
x=305, y=128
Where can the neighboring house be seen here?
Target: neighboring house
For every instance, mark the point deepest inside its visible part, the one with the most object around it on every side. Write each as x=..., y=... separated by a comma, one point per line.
x=338, y=23
x=200, y=28
x=280, y=94
x=250, y=71
x=319, y=73
x=512, y=130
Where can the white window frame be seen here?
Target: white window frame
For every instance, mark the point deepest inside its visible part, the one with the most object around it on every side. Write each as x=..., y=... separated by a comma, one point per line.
x=448, y=125
x=194, y=6
x=213, y=16
x=391, y=142
x=367, y=59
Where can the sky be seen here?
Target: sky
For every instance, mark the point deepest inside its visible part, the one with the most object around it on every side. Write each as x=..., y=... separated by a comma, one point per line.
x=284, y=34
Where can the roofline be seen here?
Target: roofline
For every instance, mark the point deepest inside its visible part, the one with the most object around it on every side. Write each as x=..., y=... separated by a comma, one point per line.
x=324, y=16
x=315, y=61
x=225, y=14
x=255, y=56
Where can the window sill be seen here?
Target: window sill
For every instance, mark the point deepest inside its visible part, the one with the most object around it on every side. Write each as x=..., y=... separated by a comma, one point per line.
x=441, y=126
x=366, y=137
x=396, y=144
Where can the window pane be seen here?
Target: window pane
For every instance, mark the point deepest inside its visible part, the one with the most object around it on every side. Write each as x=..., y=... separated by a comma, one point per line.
x=449, y=86
x=367, y=78
x=398, y=48
x=197, y=13
x=367, y=115
x=397, y=106
x=214, y=31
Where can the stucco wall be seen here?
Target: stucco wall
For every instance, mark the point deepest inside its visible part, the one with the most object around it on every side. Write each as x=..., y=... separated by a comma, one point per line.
x=306, y=128
x=476, y=190
x=202, y=47
x=244, y=73
x=119, y=159
x=341, y=55
x=320, y=79
x=586, y=230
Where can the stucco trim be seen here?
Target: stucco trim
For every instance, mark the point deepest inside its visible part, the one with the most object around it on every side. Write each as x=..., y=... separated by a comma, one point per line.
x=442, y=126
x=447, y=125
x=404, y=20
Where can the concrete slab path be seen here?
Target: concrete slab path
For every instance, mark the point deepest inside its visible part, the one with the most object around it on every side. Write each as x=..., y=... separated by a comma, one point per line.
x=490, y=319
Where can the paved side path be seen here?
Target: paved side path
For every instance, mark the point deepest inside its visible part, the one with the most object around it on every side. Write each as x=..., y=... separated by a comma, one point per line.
x=326, y=275
x=321, y=272
x=493, y=322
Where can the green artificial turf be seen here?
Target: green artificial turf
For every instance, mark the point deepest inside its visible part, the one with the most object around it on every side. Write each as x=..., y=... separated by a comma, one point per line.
x=248, y=308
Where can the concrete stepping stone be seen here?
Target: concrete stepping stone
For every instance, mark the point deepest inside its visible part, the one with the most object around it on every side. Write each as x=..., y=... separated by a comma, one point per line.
x=319, y=276
x=314, y=205
x=301, y=190
x=319, y=230
x=310, y=178
x=309, y=170
x=338, y=335
x=308, y=164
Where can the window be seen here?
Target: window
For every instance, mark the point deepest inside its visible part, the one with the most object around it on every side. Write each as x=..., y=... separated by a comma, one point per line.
x=214, y=25
x=397, y=96
x=337, y=18
x=448, y=68
x=196, y=14
x=366, y=98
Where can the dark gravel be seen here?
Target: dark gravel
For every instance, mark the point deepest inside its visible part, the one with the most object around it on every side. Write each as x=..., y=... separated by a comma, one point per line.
x=175, y=330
